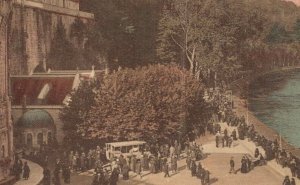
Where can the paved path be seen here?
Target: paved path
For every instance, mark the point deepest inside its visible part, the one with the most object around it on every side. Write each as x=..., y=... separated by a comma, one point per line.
x=217, y=163
x=36, y=174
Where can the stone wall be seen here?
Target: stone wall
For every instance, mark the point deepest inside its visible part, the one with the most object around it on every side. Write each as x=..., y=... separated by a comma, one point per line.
x=32, y=28
x=6, y=130
x=17, y=112
x=72, y=4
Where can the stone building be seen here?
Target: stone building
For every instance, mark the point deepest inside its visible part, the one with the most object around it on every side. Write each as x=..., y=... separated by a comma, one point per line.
x=37, y=100
x=6, y=129
x=33, y=26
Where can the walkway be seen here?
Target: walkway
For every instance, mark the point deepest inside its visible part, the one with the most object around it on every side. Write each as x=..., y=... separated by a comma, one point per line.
x=36, y=174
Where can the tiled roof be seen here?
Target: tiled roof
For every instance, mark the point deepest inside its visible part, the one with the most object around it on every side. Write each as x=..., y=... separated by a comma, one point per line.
x=36, y=119
x=31, y=86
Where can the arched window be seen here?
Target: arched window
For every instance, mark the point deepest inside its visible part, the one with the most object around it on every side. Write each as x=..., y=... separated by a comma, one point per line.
x=49, y=137
x=40, y=138
x=29, y=140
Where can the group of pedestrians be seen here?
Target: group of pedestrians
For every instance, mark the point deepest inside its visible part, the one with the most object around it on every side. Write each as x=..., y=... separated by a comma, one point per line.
x=194, y=153
x=19, y=169
x=272, y=148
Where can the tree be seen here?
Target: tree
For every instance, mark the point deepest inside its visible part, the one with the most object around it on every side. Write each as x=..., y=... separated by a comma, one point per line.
x=148, y=103
x=297, y=30
x=207, y=35
x=75, y=112
x=63, y=55
x=278, y=34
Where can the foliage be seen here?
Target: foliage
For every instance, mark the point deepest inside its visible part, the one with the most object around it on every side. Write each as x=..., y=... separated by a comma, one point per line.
x=63, y=55
x=124, y=31
x=278, y=34
x=208, y=34
x=148, y=103
x=77, y=109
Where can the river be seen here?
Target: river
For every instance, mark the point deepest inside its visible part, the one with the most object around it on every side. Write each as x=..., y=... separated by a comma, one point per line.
x=275, y=100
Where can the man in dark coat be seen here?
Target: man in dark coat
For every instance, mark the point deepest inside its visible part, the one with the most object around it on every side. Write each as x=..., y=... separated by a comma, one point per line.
x=166, y=168
x=231, y=162
x=47, y=176
x=125, y=171
x=114, y=177
x=244, y=165
x=26, y=171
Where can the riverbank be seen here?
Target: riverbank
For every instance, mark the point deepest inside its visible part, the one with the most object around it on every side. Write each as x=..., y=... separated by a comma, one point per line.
x=241, y=110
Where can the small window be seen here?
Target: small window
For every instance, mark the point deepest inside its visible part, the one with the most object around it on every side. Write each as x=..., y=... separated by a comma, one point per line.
x=29, y=140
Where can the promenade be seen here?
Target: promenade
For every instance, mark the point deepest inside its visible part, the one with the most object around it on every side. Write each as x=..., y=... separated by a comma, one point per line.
x=36, y=174
x=217, y=163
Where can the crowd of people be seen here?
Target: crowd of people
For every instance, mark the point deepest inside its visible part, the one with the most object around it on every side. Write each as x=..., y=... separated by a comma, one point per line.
x=272, y=148
x=163, y=158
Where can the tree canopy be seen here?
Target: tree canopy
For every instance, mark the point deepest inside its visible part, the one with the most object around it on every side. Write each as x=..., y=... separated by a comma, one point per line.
x=154, y=102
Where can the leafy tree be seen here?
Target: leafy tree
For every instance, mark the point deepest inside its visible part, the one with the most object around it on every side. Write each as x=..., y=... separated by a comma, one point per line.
x=63, y=55
x=77, y=109
x=297, y=30
x=124, y=31
x=148, y=103
x=278, y=34
x=207, y=35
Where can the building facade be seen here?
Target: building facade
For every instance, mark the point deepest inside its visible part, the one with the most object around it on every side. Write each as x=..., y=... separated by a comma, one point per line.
x=6, y=128
x=37, y=101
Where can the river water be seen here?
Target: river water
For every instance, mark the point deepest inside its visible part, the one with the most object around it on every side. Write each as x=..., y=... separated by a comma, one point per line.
x=275, y=100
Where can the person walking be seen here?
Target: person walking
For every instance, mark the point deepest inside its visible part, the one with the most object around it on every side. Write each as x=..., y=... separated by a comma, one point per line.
x=231, y=162
x=166, y=168
x=26, y=171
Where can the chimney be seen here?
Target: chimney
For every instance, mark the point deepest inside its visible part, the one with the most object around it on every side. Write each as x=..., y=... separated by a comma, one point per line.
x=24, y=103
